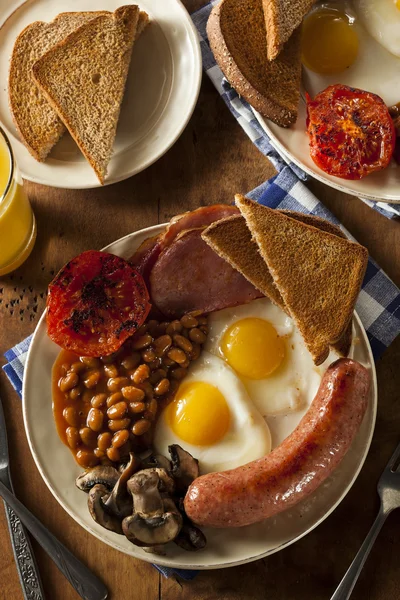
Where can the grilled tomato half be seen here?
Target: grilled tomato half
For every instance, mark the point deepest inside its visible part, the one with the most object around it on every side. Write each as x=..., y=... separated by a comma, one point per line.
x=95, y=303
x=351, y=132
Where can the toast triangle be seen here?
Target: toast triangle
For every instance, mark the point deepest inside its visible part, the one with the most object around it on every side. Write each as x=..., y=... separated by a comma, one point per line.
x=281, y=20
x=83, y=77
x=318, y=274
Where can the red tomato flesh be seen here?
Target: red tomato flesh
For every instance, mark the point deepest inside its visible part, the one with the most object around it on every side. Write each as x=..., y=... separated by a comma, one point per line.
x=95, y=303
x=351, y=132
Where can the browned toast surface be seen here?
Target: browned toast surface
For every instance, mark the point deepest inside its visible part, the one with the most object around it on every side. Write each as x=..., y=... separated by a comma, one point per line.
x=282, y=17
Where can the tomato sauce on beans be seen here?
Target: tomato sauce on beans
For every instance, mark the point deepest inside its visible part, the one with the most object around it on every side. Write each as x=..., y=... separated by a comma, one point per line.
x=106, y=407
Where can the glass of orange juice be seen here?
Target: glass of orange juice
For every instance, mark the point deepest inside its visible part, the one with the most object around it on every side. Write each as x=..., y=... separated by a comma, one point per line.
x=17, y=221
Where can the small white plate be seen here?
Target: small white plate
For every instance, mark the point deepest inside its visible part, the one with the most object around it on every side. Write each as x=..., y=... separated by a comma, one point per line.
x=225, y=547
x=161, y=91
x=375, y=70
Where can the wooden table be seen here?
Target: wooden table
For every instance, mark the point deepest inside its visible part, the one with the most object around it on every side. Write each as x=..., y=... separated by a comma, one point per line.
x=211, y=161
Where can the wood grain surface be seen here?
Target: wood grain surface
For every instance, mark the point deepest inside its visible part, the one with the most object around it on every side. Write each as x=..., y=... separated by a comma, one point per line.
x=211, y=161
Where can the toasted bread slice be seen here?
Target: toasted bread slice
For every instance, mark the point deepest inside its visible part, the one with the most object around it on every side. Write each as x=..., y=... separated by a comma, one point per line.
x=36, y=121
x=38, y=124
x=83, y=77
x=237, y=36
x=318, y=274
x=231, y=239
x=281, y=19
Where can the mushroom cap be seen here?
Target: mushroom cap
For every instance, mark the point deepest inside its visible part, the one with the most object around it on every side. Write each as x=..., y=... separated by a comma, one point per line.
x=152, y=531
x=98, y=510
x=105, y=475
x=120, y=502
x=185, y=468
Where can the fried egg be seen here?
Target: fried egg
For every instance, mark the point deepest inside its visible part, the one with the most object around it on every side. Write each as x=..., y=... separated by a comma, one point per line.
x=265, y=349
x=213, y=418
x=381, y=18
x=329, y=40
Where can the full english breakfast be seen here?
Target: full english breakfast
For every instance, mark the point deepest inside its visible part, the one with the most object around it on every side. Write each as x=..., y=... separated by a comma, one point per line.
x=260, y=47
x=71, y=74
x=222, y=323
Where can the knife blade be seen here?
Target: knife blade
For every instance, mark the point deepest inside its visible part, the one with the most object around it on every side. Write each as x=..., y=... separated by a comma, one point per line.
x=24, y=557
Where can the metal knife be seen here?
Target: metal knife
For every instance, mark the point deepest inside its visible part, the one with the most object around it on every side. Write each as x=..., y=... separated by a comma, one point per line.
x=23, y=554
x=88, y=586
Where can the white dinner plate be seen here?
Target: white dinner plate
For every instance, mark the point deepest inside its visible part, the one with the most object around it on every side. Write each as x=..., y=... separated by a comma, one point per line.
x=225, y=547
x=161, y=91
x=375, y=70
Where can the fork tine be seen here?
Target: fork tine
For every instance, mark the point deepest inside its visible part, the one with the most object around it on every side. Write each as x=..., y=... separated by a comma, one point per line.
x=395, y=456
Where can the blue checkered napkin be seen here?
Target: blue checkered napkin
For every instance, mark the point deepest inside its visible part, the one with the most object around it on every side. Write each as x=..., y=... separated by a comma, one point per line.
x=14, y=369
x=244, y=114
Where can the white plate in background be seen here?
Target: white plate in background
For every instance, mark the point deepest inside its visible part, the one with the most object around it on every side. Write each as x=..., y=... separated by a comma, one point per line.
x=161, y=91
x=225, y=547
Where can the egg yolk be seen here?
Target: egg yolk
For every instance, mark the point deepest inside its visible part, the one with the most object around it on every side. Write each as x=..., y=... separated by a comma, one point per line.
x=199, y=414
x=253, y=348
x=398, y=4
x=329, y=41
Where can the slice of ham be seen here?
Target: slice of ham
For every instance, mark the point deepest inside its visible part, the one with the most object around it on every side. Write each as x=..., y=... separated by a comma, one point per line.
x=149, y=251
x=189, y=276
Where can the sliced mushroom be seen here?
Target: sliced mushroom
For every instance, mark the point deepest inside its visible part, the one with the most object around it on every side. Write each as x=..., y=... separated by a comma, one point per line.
x=190, y=538
x=185, y=468
x=105, y=475
x=156, y=460
x=99, y=511
x=159, y=550
x=152, y=531
x=119, y=502
x=145, y=487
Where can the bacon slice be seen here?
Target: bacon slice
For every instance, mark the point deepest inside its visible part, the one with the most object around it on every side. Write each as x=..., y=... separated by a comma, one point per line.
x=190, y=276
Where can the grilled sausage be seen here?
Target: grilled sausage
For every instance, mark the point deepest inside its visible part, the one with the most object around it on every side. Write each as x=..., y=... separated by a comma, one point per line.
x=293, y=470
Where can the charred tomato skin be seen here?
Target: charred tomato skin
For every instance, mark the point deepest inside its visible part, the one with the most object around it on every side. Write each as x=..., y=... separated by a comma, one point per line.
x=95, y=302
x=351, y=132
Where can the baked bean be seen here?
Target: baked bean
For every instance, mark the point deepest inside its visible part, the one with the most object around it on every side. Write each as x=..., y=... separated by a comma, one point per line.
x=106, y=360
x=130, y=392
x=64, y=368
x=88, y=437
x=141, y=341
x=153, y=327
x=162, y=387
x=111, y=370
x=183, y=343
x=195, y=353
x=196, y=335
x=75, y=393
x=136, y=407
x=94, y=419
x=147, y=388
x=92, y=378
x=177, y=355
x=156, y=376
x=151, y=410
x=178, y=373
x=99, y=453
x=73, y=439
x=204, y=329
x=117, y=411
x=120, y=438
x=141, y=374
x=113, y=454
x=114, y=398
x=131, y=362
x=90, y=362
x=155, y=364
x=188, y=321
x=167, y=362
x=98, y=400
x=69, y=381
x=114, y=384
x=148, y=355
x=104, y=440
x=141, y=426
x=162, y=344
x=174, y=327
x=142, y=330
x=86, y=458
x=185, y=363
x=77, y=367
x=71, y=415
x=202, y=320
x=117, y=424
x=173, y=386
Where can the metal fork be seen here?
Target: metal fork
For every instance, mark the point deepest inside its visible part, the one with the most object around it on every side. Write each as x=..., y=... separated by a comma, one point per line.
x=389, y=493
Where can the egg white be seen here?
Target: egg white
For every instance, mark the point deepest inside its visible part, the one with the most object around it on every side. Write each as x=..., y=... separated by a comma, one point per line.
x=248, y=436
x=381, y=18
x=294, y=384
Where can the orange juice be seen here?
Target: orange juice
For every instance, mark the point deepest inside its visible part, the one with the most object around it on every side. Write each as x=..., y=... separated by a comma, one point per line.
x=17, y=222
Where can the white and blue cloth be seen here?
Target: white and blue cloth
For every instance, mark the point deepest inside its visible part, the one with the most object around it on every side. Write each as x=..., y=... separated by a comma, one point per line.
x=245, y=116
x=378, y=304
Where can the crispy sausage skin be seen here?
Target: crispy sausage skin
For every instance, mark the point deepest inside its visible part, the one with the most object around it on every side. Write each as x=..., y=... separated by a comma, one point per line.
x=271, y=484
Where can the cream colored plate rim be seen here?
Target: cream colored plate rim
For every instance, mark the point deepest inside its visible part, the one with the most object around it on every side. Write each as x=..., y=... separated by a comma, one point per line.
x=34, y=394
